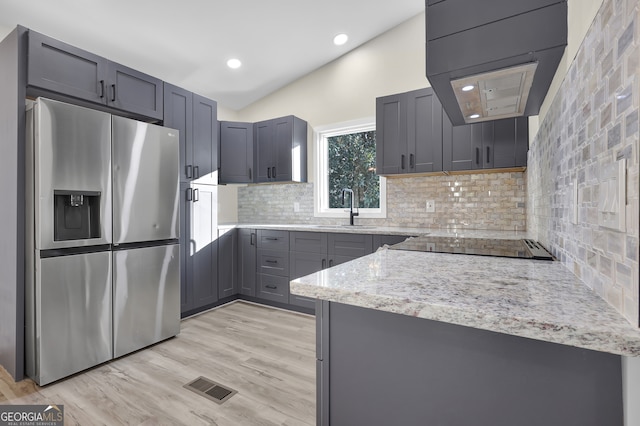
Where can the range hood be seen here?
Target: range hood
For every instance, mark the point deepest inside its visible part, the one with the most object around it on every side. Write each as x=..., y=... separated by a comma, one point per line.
x=493, y=59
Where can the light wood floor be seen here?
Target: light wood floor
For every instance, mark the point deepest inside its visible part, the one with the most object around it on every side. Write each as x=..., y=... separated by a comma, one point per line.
x=267, y=355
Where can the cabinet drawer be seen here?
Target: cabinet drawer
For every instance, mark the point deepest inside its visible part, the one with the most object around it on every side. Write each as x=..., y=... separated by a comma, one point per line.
x=273, y=287
x=273, y=262
x=308, y=242
x=351, y=245
x=273, y=240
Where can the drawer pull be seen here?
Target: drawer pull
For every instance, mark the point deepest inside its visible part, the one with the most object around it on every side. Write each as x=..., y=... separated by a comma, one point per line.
x=271, y=261
x=271, y=238
x=272, y=287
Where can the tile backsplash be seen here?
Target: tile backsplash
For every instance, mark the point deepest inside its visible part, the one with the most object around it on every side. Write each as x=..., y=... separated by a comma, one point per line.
x=493, y=201
x=591, y=123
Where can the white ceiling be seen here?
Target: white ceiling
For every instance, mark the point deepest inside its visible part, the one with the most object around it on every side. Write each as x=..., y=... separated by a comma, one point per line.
x=188, y=42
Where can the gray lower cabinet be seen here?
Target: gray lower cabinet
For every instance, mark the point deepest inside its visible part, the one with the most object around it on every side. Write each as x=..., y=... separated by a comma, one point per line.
x=228, y=284
x=247, y=258
x=69, y=71
x=199, y=247
x=236, y=152
x=381, y=240
x=308, y=255
x=345, y=247
x=196, y=118
x=446, y=374
x=273, y=265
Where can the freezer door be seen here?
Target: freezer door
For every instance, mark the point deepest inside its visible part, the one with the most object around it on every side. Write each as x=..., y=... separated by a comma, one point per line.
x=71, y=149
x=146, y=162
x=146, y=296
x=72, y=315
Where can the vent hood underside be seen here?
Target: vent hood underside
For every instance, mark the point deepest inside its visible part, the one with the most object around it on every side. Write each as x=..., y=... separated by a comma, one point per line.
x=508, y=50
x=496, y=94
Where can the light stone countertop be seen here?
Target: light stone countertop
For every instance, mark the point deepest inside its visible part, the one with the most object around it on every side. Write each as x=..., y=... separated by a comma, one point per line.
x=536, y=299
x=382, y=230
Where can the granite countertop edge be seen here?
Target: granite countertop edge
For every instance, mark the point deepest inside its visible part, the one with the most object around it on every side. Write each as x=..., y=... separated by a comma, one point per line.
x=602, y=328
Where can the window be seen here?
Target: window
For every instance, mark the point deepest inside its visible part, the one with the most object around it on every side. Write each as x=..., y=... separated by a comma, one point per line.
x=346, y=158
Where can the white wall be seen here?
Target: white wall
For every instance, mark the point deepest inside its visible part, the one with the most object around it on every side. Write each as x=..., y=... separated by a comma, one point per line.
x=343, y=90
x=346, y=88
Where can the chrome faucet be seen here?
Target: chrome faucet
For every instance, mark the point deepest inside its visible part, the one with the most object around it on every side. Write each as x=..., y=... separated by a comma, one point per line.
x=351, y=213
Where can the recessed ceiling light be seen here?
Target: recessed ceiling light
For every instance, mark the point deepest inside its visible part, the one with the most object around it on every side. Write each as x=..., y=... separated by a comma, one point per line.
x=474, y=116
x=234, y=63
x=340, y=39
x=468, y=88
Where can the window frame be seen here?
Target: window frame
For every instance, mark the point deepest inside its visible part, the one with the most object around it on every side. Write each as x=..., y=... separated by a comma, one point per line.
x=321, y=181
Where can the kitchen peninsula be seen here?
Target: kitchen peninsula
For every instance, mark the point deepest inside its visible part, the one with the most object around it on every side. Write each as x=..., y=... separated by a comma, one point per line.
x=431, y=338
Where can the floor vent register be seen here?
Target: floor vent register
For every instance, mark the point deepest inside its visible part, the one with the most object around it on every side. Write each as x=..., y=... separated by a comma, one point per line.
x=210, y=389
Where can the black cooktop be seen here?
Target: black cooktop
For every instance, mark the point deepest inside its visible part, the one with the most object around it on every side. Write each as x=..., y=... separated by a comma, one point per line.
x=522, y=248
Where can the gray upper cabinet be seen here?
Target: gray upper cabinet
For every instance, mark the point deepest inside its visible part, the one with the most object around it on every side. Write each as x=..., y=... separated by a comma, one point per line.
x=391, y=135
x=205, y=140
x=280, y=150
x=236, y=152
x=409, y=133
x=488, y=145
x=415, y=135
x=196, y=119
x=60, y=68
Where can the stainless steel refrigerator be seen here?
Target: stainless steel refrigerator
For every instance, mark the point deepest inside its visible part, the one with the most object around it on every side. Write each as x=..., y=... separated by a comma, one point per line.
x=103, y=267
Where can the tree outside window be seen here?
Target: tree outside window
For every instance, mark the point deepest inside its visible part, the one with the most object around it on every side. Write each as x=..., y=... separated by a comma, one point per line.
x=346, y=158
x=352, y=164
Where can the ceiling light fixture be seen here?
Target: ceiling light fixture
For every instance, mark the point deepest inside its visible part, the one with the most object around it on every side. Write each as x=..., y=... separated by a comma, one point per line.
x=468, y=88
x=474, y=116
x=340, y=39
x=234, y=63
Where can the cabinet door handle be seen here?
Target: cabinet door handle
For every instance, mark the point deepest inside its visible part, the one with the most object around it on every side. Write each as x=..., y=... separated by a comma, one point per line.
x=274, y=173
x=272, y=287
x=250, y=173
x=330, y=263
x=488, y=155
x=477, y=155
x=268, y=172
x=411, y=163
x=188, y=171
x=324, y=263
x=251, y=239
x=189, y=194
x=196, y=195
x=101, y=89
x=113, y=87
x=196, y=172
x=402, y=161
